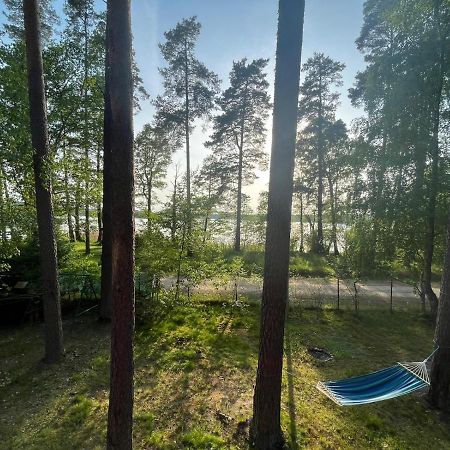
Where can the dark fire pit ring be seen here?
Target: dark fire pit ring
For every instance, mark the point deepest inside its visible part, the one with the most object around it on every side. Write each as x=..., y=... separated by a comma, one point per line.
x=320, y=354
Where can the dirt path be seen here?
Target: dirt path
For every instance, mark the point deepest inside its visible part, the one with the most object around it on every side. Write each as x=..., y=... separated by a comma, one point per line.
x=370, y=293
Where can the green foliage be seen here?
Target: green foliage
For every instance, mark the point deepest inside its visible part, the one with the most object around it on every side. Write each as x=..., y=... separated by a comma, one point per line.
x=77, y=263
x=24, y=260
x=153, y=155
x=178, y=51
x=156, y=254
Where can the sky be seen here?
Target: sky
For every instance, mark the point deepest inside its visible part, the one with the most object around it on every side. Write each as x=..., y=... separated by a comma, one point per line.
x=234, y=29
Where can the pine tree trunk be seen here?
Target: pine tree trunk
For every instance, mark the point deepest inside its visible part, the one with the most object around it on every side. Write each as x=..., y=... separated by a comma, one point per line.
x=439, y=393
x=433, y=189
x=320, y=174
x=78, y=236
x=173, y=227
x=41, y=158
x=265, y=429
x=149, y=202
x=320, y=164
x=237, y=239
x=3, y=235
x=333, y=217
x=99, y=206
x=99, y=224
x=208, y=209
x=205, y=226
x=87, y=227
x=120, y=412
x=67, y=199
x=106, y=270
x=188, y=157
x=302, y=244
x=173, y=218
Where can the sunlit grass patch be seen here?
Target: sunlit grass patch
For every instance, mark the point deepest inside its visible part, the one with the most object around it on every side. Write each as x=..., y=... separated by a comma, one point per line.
x=194, y=375
x=198, y=439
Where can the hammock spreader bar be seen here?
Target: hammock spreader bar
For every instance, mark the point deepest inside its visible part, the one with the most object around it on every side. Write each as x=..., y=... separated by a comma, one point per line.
x=394, y=381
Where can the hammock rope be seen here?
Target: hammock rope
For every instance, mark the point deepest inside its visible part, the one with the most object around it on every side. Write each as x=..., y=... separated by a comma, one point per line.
x=395, y=381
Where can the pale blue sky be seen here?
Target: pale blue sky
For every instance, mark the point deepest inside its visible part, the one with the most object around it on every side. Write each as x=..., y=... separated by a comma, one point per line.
x=233, y=29
x=246, y=28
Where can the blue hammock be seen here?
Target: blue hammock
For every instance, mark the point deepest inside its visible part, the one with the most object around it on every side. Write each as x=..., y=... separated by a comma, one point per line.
x=401, y=379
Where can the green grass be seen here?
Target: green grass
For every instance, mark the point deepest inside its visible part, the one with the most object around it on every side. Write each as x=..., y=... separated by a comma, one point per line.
x=96, y=251
x=194, y=380
x=301, y=264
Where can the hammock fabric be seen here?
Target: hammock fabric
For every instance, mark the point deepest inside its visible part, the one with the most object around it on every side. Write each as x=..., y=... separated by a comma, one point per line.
x=401, y=379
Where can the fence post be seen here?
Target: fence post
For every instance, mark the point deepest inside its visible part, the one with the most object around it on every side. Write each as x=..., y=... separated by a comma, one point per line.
x=391, y=295
x=338, y=294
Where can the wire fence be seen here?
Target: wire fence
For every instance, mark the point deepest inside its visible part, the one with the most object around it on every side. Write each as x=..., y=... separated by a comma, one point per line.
x=347, y=294
x=341, y=294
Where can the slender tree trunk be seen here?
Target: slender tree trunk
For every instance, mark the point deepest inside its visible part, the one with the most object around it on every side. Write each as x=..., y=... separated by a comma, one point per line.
x=99, y=205
x=120, y=412
x=188, y=158
x=3, y=207
x=333, y=217
x=205, y=226
x=265, y=429
x=7, y=207
x=87, y=228
x=237, y=239
x=106, y=274
x=41, y=162
x=302, y=243
x=149, y=201
x=173, y=227
x=67, y=202
x=433, y=189
x=439, y=393
x=208, y=209
x=320, y=166
x=99, y=223
x=78, y=236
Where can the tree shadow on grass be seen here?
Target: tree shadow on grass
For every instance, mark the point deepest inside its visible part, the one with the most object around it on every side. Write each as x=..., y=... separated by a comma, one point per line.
x=291, y=394
x=46, y=403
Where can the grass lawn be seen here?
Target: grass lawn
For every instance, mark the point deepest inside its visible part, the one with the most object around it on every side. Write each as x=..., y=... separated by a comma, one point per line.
x=194, y=382
x=96, y=250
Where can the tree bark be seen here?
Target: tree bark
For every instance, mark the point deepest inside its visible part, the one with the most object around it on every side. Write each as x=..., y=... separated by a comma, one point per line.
x=439, y=393
x=320, y=168
x=120, y=412
x=41, y=162
x=78, y=236
x=237, y=238
x=99, y=205
x=302, y=244
x=106, y=258
x=333, y=217
x=433, y=190
x=3, y=235
x=87, y=227
x=67, y=200
x=237, y=241
x=149, y=201
x=188, y=157
x=173, y=225
x=266, y=428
